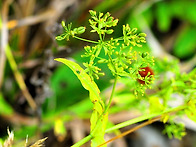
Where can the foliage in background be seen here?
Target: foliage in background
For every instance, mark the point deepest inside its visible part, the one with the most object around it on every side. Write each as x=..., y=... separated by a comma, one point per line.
x=172, y=16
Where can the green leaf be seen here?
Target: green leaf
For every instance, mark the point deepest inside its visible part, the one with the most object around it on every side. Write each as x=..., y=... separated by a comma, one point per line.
x=163, y=16
x=84, y=78
x=86, y=82
x=155, y=105
x=178, y=83
x=185, y=43
x=98, y=134
x=97, y=118
x=93, y=119
x=5, y=108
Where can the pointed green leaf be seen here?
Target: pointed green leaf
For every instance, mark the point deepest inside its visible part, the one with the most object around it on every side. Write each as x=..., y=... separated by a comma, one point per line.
x=98, y=121
x=84, y=78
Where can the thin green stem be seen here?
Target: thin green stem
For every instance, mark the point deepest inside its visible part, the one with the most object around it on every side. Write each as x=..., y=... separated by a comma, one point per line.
x=104, y=33
x=100, y=37
x=131, y=130
x=112, y=95
x=144, y=117
x=112, y=63
x=86, y=40
x=83, y=141
x=119, y=38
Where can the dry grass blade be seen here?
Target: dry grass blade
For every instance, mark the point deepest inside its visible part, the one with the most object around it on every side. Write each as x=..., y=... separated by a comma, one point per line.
x=19, y=78
x=39, y=143
x=9, y=141
x=4, y=38
x=31, y=20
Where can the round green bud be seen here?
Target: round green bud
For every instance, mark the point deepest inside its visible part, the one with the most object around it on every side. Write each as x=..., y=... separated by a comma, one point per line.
x=144, y=54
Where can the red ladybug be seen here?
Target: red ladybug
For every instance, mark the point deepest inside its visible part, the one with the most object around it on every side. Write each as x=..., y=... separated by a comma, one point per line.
x=144, y=73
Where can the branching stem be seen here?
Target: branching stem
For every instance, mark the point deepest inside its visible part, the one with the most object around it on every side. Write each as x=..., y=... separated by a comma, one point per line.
x=86, y=40
x=144, y=117
x=150, y=119
x=131, y=130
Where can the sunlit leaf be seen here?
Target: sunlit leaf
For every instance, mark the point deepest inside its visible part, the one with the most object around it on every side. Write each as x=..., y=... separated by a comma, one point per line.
x=84, y=78
x=59, y=130
x=99, y=132
x=155, y=104
x=97, y=118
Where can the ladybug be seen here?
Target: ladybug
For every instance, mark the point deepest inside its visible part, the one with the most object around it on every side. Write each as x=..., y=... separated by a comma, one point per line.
x=144, y=72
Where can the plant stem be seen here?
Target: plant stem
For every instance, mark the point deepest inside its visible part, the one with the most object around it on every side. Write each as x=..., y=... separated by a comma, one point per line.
x=151, y=118
x=100, y=37
x=144, y=117
x=83, y=141
x=131, y=130
x=112, y=94
x=86, y=40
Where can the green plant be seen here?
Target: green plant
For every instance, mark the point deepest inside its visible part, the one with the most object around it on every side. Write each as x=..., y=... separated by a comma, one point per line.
x=123, y=63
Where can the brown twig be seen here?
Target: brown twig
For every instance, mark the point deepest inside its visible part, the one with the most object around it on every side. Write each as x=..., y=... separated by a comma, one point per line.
x=4, y=39
x=31, y=20
x=18, y=119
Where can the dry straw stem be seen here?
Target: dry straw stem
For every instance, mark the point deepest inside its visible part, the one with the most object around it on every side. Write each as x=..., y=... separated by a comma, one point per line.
x=6, y=51
x=30, y=20
x=9, y=141
x=4, y=38
x=39, y=143
x=51, y=13
x=19, y=78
